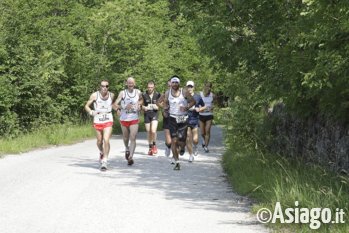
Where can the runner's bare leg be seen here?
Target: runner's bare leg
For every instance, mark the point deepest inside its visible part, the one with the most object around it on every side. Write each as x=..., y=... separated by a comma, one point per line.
x=133, y=136
x=107, y=132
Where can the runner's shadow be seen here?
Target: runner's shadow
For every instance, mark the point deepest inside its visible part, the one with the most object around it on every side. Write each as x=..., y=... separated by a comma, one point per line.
x=201, y=184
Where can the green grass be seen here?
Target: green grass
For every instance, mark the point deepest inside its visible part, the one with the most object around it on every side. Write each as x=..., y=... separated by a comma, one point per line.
x=54, y=135
x=268, y=179
x=57, y=135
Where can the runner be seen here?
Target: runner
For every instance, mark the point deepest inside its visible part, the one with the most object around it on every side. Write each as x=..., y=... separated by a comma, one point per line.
x=165, y=124
x=193, y=122
x=179, y=101
x=129, y=101
x=206, y=116
x=102, y=101
x=151, y=115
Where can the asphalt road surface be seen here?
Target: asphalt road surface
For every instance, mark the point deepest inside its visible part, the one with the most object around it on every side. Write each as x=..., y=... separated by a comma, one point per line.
x=61, y=190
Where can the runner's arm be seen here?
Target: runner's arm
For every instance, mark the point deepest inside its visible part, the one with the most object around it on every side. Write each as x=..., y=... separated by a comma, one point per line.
x=201, y=105
x=140, y=101
x=191, y=101
x=116, y=104
x=165, y=101
x=92, y=98
x=160, y=101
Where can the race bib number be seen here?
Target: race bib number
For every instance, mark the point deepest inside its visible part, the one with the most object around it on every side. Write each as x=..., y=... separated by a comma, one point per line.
x=181, y=119
x=103, y=117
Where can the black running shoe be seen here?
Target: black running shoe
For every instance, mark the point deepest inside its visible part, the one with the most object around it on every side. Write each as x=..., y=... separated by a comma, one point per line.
x=177, y=166
x=182, y=151
x=130, y=162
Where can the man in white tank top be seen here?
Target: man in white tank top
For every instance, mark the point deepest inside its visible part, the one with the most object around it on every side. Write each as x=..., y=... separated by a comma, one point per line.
x=128, y=105
x=102, y=120
x=206, y=117
x=179, y=101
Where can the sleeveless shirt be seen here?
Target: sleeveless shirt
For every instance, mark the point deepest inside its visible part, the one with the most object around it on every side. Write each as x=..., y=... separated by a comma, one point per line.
x=175, y=104
x=208, y=100
x=130, y=98
x=103, y=107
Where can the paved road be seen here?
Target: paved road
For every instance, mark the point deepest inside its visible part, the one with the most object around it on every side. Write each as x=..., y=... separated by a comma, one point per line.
x=61, y=190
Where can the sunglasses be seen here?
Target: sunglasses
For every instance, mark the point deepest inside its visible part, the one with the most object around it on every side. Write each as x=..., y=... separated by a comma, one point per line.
x=107, y=86
x=190, y=86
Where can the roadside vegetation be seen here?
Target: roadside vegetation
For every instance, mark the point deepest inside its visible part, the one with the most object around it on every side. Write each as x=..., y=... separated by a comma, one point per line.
x=49, y=136
x=54, y=53
x=269, y=178
x=57, y=135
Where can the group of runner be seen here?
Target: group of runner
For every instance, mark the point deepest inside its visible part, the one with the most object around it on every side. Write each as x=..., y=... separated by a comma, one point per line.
x=183, y=112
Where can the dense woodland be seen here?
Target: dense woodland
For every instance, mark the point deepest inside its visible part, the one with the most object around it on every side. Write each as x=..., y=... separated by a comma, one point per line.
x=259, y=53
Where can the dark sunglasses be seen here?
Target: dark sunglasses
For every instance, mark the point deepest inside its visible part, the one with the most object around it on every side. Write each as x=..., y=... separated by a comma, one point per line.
x=107, y=86
x=190, y=86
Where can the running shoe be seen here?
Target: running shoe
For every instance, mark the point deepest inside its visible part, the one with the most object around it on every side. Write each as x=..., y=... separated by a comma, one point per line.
x=182, y=151
x=155, y=149
x=191, y=158
x=130, y=162
x=195, y=150
x=103, y=166
x=150, y=152
x=177, y=166
x=206, y=149
x=167, y=151
x=127, y=154
x=172, y=160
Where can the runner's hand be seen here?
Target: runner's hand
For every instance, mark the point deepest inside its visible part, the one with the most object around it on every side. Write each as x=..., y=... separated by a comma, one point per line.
x=93, y=113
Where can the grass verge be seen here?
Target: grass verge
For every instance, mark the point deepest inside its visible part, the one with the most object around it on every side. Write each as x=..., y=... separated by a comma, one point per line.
x=57, y=135
x=268, y=179
x=53, y=135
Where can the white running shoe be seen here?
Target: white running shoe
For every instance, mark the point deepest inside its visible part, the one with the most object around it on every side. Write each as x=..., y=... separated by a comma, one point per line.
x=195, y=150
x=172, y=160
x=103, y=166
x=191, y=158
x=167, y=151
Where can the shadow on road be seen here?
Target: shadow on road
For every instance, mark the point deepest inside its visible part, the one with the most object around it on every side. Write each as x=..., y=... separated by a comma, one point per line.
x=201, y=184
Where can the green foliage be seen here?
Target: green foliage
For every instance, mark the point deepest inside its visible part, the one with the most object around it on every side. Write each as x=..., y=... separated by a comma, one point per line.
x=270, y=178
x=54, y=53
x=294, y=52
x=47, y=136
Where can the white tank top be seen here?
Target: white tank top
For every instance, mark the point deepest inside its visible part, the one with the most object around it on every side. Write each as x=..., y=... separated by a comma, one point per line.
x=103, y=107
x=130, y=98
x=208, y=100
x=176, y=103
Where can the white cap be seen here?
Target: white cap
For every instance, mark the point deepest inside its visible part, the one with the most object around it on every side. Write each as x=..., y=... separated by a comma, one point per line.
x=190, y=83
x=175, y=79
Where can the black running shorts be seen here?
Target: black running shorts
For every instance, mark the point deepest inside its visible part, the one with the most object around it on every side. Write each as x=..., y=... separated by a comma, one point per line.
x=178, y=130
x=151, y=116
